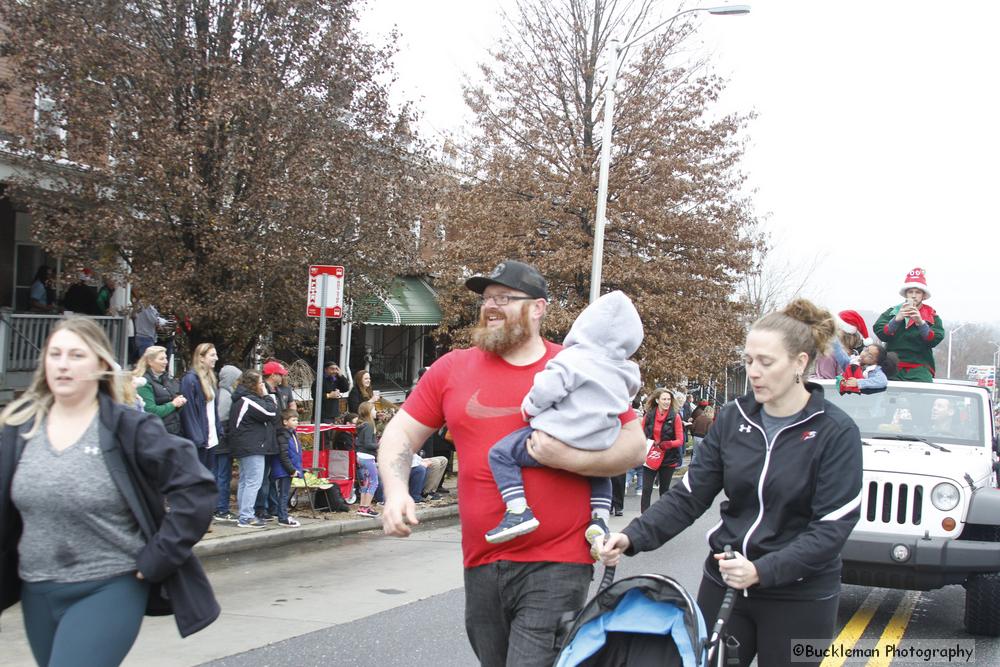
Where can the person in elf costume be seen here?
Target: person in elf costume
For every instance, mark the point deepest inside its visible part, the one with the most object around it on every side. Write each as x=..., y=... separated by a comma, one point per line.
x=912, y=329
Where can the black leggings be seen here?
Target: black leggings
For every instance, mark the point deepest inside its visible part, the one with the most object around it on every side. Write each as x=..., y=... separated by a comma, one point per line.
x=665, y=474
x=767, y=628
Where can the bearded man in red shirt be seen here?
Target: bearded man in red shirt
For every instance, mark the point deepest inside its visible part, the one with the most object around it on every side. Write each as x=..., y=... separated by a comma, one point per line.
x=515, y=591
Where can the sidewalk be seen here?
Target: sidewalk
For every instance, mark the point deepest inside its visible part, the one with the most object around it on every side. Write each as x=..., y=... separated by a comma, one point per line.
x=226, y=538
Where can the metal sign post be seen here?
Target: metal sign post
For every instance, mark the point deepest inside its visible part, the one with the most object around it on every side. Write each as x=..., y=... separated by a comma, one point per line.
x=318, y=396
x=330, y=304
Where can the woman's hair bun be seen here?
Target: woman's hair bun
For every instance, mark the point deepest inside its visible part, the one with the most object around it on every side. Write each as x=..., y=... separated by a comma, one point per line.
x=819, y=320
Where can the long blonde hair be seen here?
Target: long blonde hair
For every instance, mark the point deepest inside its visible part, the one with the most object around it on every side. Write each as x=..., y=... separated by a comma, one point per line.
x=206, y=375
x=366, y=413
x=143, y=364
x=37, y=400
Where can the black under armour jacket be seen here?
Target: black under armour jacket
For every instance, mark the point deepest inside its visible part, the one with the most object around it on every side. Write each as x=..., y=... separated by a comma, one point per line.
x=791, y=503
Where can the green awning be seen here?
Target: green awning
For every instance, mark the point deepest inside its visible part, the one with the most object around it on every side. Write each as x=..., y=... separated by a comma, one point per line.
x=411, y=302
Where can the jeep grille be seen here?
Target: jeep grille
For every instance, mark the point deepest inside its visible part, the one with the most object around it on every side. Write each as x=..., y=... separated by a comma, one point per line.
x=889, y=503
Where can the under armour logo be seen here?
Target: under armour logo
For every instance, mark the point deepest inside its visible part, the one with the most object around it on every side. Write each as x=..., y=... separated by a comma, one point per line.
x=93, y=451
x=745, y=428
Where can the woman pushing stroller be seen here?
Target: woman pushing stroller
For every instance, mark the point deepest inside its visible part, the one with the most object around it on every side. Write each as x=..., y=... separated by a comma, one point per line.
x=790, y=464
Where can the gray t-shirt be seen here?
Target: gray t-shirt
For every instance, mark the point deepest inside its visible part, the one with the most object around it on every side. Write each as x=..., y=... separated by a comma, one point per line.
x=774, y=424
x=77, y=526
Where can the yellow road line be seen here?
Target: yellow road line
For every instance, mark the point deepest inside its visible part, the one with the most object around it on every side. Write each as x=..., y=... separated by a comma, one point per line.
x=855, y=627
x=893, y=632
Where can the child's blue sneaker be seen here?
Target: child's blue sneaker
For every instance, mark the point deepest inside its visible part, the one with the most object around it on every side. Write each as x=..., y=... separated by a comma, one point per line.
x=513, y=525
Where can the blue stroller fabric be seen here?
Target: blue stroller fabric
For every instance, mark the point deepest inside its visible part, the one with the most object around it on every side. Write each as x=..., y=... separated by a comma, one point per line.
x=634, y=614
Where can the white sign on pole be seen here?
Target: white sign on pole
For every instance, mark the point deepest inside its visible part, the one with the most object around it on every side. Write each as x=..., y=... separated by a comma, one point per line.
x=984, y=376
x=334, y=291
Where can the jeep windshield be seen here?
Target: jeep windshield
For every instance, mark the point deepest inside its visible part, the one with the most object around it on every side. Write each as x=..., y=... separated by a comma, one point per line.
x=917, y=412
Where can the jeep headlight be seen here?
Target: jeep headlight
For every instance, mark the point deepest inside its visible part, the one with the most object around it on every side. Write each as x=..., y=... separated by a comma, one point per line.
x=945, y=496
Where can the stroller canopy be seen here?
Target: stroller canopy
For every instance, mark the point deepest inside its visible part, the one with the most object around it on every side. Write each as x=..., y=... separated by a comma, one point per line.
x=648, y=619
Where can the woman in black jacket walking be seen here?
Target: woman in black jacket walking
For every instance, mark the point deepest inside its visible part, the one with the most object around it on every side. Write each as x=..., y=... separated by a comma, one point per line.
x=87, y=559
x=790, y=465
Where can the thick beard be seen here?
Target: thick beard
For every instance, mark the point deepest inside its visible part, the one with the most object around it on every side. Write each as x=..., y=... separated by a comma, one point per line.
x=501, y=340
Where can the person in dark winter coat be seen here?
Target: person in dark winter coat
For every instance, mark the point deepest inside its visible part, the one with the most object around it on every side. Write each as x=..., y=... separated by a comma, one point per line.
x=161, y=395
x=251, y=438
x=88, y=560
x=361, y=391
x=275, y=375
x=200, y=415
x=289, y=465
x=335, y=387
x=790, y=464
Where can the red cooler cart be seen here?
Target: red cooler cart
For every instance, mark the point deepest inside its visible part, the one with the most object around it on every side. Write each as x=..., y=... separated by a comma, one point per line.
x=336, y=465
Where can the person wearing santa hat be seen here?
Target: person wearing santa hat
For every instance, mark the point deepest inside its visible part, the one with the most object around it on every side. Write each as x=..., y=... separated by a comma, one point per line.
x=851, y=337
x=912, y=329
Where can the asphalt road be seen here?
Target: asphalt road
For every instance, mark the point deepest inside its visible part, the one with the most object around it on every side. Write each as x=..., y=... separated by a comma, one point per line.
x=373, y=601
x=431, y=631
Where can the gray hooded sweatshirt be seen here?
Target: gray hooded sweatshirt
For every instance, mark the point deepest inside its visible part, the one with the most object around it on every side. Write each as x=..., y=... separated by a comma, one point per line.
x=589, y=383
x=227, y=379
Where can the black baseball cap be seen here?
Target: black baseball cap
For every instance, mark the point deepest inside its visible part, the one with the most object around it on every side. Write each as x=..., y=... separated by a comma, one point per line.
x=516, y=275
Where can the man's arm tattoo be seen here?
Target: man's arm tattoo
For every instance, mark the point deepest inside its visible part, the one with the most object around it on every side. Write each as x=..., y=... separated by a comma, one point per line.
x=400, y=467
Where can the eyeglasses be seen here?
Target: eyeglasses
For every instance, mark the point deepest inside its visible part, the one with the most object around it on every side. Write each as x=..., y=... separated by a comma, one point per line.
x=503, y=299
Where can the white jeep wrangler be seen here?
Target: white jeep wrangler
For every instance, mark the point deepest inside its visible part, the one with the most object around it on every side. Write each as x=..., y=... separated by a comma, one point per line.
x=930, y=507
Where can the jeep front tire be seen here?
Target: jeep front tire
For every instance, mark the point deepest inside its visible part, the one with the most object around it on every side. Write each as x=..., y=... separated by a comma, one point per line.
x=982, y=604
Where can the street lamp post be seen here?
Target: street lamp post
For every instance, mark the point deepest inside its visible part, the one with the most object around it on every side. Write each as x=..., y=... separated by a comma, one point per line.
x=951, y=332
x=614, y=50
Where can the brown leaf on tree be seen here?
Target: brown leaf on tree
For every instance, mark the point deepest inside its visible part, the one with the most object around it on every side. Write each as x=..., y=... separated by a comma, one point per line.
x=218, y=148
x=680, y=232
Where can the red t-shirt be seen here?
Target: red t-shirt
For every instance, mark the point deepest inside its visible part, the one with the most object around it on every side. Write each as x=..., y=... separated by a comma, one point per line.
x=479, y=396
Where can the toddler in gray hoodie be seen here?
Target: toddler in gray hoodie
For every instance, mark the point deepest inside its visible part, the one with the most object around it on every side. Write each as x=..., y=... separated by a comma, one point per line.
x=577, y=399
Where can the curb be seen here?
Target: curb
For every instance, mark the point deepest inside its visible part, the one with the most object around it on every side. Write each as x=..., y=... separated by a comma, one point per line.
x=275, y=537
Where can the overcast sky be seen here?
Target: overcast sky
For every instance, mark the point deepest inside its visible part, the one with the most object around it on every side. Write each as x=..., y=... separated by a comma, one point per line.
x=875, y=146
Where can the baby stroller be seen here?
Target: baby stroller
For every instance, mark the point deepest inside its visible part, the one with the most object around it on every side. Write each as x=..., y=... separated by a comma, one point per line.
x=648, y=619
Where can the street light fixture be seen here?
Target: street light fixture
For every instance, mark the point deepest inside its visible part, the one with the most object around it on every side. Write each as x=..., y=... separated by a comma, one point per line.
x=951, y=332
x=609, y=110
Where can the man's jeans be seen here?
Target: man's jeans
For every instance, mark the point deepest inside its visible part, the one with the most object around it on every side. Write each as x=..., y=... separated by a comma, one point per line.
x=512, y=609
x=223, y=481
x=267, y=495
x=251, y=478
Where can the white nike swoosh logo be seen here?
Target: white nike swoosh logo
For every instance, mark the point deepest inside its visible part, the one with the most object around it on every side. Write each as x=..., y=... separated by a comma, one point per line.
x=477, y=410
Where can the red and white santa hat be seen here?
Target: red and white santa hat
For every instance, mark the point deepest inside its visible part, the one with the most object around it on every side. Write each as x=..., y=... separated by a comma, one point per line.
x=852, y=322
x=915, y=278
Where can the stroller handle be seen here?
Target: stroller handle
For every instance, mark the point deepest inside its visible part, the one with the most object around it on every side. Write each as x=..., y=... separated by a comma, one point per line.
x=608, y=578
x=725, y=610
